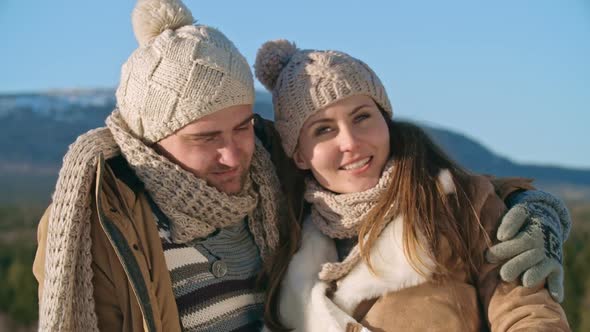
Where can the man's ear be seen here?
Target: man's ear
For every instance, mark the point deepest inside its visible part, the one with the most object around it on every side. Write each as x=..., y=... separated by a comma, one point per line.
x=300, y=162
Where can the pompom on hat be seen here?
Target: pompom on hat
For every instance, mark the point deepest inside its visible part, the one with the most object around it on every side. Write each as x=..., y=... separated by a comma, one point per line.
x=151, y=18
x=303, y=82
x=181, y=72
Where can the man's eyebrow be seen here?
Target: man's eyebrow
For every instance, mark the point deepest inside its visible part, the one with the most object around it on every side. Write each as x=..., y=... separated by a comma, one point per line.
x=248, y=119
x=202, y=134
x=216, y=132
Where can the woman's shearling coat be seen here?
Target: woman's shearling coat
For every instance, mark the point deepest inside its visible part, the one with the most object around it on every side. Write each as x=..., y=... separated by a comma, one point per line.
x=405, y=299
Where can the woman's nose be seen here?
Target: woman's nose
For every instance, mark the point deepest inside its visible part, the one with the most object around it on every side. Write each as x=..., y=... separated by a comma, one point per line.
x=347, y=140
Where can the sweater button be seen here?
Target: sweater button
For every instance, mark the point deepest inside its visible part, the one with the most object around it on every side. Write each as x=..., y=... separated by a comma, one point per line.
x=219, y=268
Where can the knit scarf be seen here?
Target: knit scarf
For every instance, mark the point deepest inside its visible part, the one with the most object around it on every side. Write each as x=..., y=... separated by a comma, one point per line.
x=339, y=216
x=194, y=208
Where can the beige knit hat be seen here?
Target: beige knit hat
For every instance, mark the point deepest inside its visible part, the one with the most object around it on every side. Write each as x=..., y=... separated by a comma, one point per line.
x=305, y=81
x=180, y=72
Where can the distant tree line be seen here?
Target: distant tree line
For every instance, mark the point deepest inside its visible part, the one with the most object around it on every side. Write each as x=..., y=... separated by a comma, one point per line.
x=18, y=288
x=577, y=270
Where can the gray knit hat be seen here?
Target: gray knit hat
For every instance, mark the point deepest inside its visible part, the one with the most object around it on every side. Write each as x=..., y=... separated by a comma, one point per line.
x=305, y=81
x=180, y=72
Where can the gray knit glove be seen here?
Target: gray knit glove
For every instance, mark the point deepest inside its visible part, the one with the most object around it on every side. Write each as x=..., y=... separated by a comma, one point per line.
x=532, y=234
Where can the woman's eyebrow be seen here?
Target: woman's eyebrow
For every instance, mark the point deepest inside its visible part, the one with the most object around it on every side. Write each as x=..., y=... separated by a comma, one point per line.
x=358, y=108
x=318, y=121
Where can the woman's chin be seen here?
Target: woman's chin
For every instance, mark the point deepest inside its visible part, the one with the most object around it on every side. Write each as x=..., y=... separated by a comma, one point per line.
x=347, y=186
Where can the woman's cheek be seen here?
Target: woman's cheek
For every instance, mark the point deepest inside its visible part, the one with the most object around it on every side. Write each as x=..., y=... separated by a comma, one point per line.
x=324, y=158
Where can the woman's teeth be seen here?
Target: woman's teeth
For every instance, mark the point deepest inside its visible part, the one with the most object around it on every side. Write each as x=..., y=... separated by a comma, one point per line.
x=357, y=164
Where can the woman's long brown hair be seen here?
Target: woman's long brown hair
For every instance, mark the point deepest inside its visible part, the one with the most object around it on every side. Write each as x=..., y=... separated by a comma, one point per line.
x=431, y=216
x=433, y=219
x=289, y=230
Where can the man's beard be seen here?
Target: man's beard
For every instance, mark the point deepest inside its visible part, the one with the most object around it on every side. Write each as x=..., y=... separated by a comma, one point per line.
x=221, y=185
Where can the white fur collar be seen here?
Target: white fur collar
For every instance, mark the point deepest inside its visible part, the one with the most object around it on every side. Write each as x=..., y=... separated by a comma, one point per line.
x=302, y=293
x=304, y=305
x=392, y=271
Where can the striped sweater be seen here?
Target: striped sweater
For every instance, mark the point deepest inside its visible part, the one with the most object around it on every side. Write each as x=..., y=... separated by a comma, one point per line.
x=213, y=279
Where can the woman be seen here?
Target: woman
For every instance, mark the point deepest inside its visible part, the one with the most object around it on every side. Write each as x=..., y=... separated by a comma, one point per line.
x=397, y=232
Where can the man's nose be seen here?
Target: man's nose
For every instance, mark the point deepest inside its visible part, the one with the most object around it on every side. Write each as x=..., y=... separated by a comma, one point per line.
x=229, y=154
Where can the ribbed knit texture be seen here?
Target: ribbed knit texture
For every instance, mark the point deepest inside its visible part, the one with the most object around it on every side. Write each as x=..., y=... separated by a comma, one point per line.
x=207, y=302
x=305, y=81
x=67, y=303
x=339, y=216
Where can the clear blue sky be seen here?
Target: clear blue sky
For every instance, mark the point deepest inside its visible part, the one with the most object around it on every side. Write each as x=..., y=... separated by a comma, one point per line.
x=513, y=74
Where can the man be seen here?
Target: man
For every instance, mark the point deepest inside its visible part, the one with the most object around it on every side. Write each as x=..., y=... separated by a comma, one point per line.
x=163, y=220
x=178, y=152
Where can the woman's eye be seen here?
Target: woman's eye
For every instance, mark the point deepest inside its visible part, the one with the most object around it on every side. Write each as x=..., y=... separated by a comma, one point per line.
x=361, y=117
x=321, y=130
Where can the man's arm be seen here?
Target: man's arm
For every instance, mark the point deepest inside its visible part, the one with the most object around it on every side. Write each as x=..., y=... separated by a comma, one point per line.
x=509, y=306
x=532, y=233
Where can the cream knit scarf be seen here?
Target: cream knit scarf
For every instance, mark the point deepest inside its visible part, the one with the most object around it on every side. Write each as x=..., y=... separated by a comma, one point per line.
x=339, y=216
x=194, y=209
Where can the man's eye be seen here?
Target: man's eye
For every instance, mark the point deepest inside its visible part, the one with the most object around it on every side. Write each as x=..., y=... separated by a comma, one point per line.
x=204, y=139
x=245, y=127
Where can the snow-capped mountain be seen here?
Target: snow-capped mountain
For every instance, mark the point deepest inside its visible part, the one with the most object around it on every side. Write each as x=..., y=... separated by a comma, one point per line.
x=36, y=129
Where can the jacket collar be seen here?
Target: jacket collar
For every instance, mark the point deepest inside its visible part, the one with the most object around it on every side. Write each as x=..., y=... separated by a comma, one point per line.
x=114, y=223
